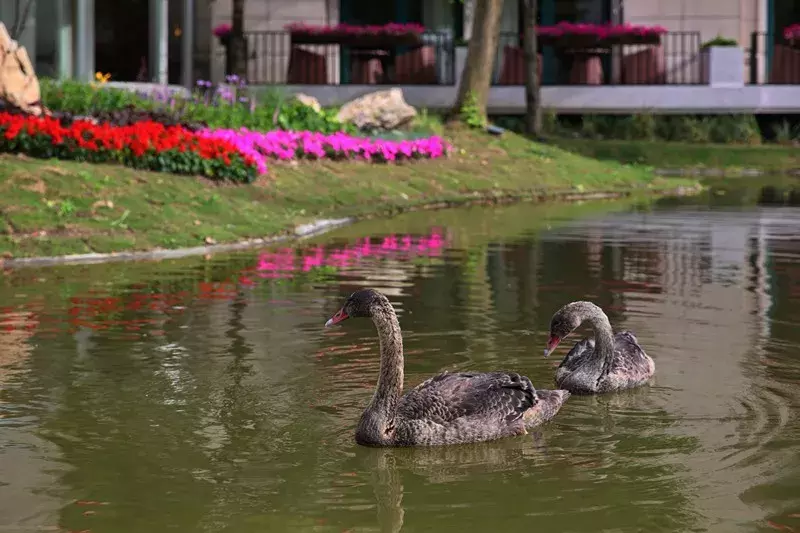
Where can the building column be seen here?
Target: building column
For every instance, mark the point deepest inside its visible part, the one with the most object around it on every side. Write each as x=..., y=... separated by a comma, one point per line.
x=469, y=17
x=90, y=40
x=187, y=45
x=84, y=40
x=64, y=51
x=159, y=41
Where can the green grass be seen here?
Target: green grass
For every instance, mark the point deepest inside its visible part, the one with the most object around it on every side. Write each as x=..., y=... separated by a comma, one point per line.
x=768, y=158
x=83, y=208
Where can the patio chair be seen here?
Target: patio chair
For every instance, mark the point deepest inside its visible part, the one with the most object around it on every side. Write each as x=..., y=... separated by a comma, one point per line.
x=785, y=67
x=513, y=70
x=416, y=67
x=307, y=68
x=645, y=67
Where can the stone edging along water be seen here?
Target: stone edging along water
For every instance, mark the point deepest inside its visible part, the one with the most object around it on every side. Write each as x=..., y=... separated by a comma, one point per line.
x=714, y=172
x=321, y=226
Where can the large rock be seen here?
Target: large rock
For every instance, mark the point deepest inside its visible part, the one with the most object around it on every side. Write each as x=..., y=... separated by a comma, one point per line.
x=383, y=110
x=309, y=101
x=19, y=85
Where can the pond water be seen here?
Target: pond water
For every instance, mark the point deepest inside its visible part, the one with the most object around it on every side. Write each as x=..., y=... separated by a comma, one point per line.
x=205, y=394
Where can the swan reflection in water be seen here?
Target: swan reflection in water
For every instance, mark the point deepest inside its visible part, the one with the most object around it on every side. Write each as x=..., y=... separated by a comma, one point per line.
x=440, y=465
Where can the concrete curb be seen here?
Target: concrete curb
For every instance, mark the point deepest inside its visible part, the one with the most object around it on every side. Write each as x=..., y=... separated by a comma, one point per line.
x=321, y=226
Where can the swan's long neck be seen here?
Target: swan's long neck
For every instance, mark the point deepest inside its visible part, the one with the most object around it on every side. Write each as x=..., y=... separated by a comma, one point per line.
x=390, y=380
x=603, y=336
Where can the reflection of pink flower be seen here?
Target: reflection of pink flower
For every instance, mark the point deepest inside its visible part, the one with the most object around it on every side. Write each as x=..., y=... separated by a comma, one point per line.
x=392, y=28
x=282, y=263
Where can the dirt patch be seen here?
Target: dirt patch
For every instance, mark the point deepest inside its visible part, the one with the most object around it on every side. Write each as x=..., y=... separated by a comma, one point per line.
x=36, y=186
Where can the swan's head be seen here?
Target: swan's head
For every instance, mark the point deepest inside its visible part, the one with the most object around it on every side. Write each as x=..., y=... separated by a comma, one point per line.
x=359, y=304
x=566, y=320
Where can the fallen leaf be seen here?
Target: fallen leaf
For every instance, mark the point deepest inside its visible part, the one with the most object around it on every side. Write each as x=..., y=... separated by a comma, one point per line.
x=210, y=240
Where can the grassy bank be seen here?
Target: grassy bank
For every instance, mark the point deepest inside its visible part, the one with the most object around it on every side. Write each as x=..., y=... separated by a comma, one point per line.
x=771, y=158
x=58, y=208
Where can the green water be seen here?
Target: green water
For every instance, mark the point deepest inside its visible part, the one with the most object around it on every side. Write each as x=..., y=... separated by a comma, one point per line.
x=205, y=395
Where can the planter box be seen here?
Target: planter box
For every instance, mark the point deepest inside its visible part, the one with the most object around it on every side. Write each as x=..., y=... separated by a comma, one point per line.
x=357, y=41
x=580, y=42
x=723, y=66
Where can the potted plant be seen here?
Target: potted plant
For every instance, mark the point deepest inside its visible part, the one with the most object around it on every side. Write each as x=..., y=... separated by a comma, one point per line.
x=223, y=33
x=722, y=62
x=792, y=34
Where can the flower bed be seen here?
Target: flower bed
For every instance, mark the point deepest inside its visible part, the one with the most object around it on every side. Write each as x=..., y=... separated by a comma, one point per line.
x=393, y=34
x=145, y=145
x=289, y=145
x=564, y=33
x=354, y=30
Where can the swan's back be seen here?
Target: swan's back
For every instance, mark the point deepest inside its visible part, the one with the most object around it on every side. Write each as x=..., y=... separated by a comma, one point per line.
x=460, y=407
x=629, y=367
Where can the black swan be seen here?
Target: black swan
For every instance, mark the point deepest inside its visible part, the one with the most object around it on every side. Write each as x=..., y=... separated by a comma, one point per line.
x=449, y=408
x=605, y=363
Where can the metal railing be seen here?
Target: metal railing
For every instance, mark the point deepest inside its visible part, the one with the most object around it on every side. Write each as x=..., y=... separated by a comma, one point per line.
x=676, y=61
x=272, y=59
x=773, y=60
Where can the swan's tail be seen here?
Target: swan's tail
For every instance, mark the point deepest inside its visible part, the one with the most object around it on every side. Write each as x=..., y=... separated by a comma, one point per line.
x=550, y=402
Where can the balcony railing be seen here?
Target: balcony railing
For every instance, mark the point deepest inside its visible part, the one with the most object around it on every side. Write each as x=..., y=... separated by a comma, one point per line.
x=773, y=60
x=273, y=60
x=676, y=61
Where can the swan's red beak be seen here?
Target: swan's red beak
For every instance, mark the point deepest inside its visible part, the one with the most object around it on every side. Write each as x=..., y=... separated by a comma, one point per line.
x=335, y=319
x=552, y=343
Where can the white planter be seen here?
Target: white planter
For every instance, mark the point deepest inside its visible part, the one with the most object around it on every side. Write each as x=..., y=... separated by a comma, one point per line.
x=723, y=66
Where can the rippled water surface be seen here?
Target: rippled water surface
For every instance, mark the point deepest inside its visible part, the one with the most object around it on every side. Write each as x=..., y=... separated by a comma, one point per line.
x=205, y=395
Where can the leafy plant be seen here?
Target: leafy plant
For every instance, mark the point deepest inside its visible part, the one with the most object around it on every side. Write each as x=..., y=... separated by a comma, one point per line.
x=720, y=41
x=471, y=113
x=785, y=132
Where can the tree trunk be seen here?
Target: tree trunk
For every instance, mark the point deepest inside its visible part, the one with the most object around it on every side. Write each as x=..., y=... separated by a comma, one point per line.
x=533, y=110
x=237, y=46
x=473, y=91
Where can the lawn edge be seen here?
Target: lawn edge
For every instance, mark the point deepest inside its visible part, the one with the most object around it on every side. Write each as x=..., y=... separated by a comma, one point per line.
x=321, y=226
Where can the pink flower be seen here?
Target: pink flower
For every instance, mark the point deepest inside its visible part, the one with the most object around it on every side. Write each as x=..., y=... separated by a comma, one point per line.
x=222, y=30
x=292, y=145
x=599, y=31
x=392, y=28
x=792, y=32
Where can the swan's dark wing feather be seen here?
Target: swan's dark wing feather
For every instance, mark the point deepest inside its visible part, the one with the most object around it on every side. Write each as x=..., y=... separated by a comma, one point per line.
x=629, y=357
x=577, y=354
x=449, y=396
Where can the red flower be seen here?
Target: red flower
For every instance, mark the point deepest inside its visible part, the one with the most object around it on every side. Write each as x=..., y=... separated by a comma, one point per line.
x=46, y=136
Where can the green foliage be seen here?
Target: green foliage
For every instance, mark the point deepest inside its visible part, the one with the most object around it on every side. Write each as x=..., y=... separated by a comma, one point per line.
x=785, y=132
x=84, y=98
x=230, y=106
x=471, y=113
x=720, y=41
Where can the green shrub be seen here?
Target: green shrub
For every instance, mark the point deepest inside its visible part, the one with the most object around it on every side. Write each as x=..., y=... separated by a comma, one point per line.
x=720, y=41
x=232, y=106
